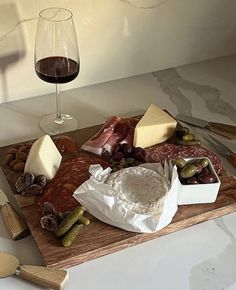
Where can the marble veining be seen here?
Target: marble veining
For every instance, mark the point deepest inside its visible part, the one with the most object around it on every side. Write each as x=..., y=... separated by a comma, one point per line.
x=212, y=274
x=144, y=4
x=172, y=83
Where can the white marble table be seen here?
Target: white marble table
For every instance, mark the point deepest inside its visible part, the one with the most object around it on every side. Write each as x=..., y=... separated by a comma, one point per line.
x=200, y=257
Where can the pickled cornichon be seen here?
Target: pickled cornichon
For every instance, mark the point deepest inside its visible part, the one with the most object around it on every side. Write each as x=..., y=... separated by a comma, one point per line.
x=188, y=137
x=70, y=236
x=184, y=137
x=182, y=132
x=68, y=221
x=187, y=142
x=188, y=171
x=85, y=221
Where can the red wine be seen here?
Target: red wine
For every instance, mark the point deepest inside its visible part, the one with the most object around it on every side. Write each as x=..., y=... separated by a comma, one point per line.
x=57, y=69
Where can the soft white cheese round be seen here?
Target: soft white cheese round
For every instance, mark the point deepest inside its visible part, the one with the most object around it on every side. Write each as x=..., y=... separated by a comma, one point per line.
x=141, y=189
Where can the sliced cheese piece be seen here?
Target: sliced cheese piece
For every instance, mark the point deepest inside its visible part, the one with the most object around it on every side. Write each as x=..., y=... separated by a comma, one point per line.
x=43, y=158
x=156, y=126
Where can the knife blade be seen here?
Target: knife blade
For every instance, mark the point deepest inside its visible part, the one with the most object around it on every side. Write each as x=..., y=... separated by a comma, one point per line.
x=222, y=149
x=225, y=130
x=15, y=224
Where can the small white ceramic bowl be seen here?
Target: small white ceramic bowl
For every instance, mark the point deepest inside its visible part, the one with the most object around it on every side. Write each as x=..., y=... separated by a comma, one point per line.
x=198, y=193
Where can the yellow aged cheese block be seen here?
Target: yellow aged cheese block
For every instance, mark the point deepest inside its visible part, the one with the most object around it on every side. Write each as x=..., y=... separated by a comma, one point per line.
x=44, y=158
x=156, y=126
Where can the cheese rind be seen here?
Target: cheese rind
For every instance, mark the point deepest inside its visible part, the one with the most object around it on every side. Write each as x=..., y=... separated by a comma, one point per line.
x=43, y=158
x=156, y=126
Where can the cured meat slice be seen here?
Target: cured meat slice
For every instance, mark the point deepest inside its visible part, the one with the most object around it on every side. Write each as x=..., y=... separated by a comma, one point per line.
x=160, y=153
x=96, y=143
x=71, y=174
x=116, y=130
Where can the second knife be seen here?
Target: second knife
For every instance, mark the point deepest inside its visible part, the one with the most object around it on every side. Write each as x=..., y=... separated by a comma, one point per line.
x=225, y=130
x=15, y=224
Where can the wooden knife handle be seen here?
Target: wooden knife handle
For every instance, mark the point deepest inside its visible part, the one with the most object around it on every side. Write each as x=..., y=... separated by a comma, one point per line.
x=46, y=277
x=232, y=159
x=223, y=129
x=15, y=224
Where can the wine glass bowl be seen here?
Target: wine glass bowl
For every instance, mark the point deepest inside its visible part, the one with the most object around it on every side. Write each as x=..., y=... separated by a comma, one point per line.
x=57, y=61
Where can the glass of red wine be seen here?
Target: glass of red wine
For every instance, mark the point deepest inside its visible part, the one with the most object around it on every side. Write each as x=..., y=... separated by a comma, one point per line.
x=57, y=61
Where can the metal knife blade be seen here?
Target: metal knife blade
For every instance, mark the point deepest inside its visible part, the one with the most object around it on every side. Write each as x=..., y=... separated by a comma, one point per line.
x=222, y=149
x=225, y=130
x=3, y=198
x=193, y=121
x=219, y=147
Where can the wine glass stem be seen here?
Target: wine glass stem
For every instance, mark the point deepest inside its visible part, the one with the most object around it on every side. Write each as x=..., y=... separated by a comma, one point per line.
x=59, y=119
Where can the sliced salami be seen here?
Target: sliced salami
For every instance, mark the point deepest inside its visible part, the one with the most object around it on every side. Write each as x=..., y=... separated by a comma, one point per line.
x=71, y=174
x=159, y=153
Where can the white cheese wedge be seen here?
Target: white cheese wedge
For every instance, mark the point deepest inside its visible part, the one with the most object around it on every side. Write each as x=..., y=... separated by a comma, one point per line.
x=43, y=158
x=156, y=126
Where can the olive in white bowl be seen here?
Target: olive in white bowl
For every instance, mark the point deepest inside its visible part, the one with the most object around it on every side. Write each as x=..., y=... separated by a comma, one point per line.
x=198, y=181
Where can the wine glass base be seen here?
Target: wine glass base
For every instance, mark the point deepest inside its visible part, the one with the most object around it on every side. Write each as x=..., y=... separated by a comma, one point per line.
x=50, y=125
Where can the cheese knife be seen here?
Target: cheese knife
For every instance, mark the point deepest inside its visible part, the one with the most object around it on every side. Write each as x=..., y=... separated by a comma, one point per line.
x=225, y=130
x=15, y=224
x=46, y=277
x=222, y=149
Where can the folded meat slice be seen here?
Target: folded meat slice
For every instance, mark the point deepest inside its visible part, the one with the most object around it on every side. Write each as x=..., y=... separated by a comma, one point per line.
x=115, y=130
x=96, y=143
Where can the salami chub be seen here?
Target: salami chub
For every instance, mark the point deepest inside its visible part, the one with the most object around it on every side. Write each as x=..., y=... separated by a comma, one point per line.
x=71, y=174
x=160, y=153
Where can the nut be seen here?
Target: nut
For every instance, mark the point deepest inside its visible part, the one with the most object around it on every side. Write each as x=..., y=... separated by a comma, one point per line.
x=19, y=166
x=12, y=151
x=21, y=155
x=29, y=144
x=14, y=162
x=23, y=148
x=8, y=158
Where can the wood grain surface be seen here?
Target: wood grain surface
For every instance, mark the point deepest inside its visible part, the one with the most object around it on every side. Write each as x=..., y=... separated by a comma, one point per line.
x=99, y=239
x=43, y=276
x=17, y=227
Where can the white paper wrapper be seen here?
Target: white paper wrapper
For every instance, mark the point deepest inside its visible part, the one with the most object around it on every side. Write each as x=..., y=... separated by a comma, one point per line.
x=103, y=201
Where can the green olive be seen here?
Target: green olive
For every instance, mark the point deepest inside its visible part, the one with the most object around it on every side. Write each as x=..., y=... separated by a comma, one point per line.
x=188, y=137
x=204, y=162
x=179, y=162
x=188, y=171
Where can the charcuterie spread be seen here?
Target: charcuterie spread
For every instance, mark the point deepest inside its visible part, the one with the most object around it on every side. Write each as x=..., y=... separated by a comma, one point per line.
x=128, y=141
x=53, y=168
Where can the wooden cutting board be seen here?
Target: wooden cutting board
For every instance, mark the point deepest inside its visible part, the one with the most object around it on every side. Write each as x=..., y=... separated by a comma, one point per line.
x=99, y=239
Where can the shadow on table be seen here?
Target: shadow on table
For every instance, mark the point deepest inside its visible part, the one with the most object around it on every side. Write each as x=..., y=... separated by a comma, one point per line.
x=12, y=45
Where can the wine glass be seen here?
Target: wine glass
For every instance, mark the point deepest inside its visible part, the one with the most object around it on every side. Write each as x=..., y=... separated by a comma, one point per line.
x=57, y=61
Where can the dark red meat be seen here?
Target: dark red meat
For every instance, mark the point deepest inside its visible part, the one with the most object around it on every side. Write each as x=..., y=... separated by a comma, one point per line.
x=116, y=130
x=166, y=151
x=96, y=143
x=71, y=174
